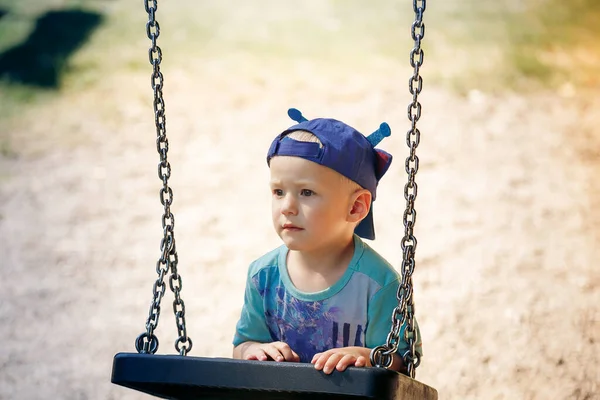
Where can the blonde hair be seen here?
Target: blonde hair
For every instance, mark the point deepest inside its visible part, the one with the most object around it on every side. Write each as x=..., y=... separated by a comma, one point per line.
x=305, y=136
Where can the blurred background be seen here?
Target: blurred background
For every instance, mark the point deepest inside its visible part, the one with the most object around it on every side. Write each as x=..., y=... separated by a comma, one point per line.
x=507, y=283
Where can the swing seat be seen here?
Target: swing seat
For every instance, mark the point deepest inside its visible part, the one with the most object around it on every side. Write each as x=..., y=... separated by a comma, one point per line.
x=187, y=378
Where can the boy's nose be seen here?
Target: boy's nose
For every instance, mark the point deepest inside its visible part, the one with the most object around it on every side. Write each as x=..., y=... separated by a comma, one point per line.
x=289, y=206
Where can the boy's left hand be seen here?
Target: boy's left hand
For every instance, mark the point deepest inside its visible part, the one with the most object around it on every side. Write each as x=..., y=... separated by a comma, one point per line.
x=341, y=358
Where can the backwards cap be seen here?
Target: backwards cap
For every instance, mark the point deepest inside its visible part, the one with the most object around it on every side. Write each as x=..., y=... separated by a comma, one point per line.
x=344, y=150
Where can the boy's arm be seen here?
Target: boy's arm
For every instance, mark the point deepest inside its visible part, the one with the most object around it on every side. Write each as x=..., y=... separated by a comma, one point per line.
x=398, y=364
x=344, y=357
x=276, y=351
x=240, y=350
x=253, y=339
x=380, y=310
x=252, y=325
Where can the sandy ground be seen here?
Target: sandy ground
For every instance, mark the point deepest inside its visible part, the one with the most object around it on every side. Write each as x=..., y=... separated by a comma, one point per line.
x=507, y=285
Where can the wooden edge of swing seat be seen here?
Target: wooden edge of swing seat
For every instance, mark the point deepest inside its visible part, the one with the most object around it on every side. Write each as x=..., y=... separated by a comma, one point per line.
x=178, y=377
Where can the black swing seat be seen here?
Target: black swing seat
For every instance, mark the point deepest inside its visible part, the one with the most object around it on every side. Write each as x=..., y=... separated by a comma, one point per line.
x=187, y=378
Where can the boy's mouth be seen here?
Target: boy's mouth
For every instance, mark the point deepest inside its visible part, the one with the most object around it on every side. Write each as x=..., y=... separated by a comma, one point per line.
x=291, y=227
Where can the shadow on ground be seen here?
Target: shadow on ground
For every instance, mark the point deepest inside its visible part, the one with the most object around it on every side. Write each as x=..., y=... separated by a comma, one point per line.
x=41, y=58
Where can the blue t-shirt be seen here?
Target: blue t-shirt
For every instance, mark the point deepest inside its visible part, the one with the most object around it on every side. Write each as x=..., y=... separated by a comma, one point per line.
x=356, y=311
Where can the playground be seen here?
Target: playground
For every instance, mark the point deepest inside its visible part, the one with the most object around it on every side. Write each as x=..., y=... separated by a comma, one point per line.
x=507, y=286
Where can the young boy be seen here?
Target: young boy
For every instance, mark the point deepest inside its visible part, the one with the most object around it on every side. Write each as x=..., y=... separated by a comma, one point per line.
x=324, y=296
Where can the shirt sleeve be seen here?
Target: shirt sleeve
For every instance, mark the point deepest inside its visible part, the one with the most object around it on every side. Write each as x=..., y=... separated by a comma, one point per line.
x=379, y=316
x=252, y=325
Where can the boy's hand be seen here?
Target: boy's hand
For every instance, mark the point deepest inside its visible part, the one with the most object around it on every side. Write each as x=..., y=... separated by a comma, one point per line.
x=341, y=358
x=277, y=351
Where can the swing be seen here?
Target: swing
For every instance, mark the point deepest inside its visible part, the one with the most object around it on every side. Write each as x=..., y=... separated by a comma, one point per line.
x=181, y=377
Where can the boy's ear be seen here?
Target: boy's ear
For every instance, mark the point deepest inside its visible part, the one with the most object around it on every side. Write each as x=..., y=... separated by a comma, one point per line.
x=360, y=206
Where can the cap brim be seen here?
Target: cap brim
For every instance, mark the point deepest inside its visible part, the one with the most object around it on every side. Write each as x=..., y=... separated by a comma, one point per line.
x=365, y=229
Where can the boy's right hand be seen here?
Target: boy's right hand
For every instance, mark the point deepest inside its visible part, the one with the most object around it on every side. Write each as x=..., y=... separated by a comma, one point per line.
x=277, y=351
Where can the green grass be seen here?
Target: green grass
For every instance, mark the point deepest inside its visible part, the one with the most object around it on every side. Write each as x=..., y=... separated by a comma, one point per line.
x=554, y=32
x=468, y=44
x=535, y=44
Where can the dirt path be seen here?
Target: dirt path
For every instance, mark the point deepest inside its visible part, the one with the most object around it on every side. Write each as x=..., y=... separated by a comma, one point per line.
x=507, y=285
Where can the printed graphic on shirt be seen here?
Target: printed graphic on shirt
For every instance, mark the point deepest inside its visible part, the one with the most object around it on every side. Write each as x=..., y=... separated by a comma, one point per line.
x=311, y=327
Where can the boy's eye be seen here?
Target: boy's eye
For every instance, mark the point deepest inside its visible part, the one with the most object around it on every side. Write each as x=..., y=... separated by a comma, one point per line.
x=307, y=192
x=278, y=192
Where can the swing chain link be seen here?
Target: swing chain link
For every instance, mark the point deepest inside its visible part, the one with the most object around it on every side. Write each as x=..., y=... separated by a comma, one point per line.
x=147, y=342
x=403, y=314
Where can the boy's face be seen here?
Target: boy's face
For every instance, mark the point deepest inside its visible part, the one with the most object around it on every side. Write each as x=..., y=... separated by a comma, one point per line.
x=310, y=204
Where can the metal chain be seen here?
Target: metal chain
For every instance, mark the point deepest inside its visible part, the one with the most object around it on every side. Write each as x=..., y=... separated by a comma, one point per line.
x=147, y=342
x=403, y=314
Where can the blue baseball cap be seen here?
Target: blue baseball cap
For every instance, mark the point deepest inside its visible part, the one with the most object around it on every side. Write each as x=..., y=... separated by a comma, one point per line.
x=344, y=150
